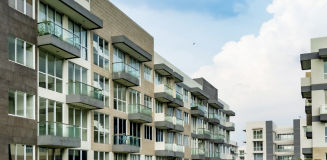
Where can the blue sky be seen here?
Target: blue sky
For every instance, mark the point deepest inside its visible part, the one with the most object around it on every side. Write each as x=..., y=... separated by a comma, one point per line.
x=177, y=25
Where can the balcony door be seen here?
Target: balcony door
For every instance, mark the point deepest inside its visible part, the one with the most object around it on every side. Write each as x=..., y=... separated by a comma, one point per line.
x=134, y=97
x=50, y=21
x=134, y=132
x=50, y=117
x=120, y=136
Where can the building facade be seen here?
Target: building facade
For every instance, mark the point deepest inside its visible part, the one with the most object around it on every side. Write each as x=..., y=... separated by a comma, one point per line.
x=81, y=81
x=266, y=141
x=313, y=90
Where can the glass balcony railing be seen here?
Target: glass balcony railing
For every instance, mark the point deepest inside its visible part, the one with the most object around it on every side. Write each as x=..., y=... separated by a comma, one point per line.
x=179, y=122
x=179, y=96
x=79, y=88
x=197, y=151
x=169, y=146
x=203, y=131
x=126, y=140
x=308, y=128
x=138, y=108
x=179, y=148
x=125, y=68
x=168, y=118
x=285, y=150
x=323, y=109
x=58, y=129
x=213, y=115
x=200, y=107
x=168, y=89
x=51, y=28
x=285, y=138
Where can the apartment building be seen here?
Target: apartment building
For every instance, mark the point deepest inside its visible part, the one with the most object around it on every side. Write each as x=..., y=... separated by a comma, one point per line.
x=313, y=90
x=241, y=152
x=267, y=141
x=81, y=81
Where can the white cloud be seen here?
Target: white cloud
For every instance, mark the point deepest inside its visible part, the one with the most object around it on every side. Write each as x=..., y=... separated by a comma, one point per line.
x=259, y=76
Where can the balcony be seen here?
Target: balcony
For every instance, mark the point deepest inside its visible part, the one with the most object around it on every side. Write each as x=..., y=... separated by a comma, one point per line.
x=217, y=138
x=306, y=87
x=197, y=153
x=213, y=118
x=131, y=48
x=164, y=121
x=178, y=151
x=307, y=152
x=164, y=149
x=76, y=12
x=57, y=40
x=84, y=96
x=229, y=112
x=139, y=113
x=58, y=135
x=230, y=126
x=306, y=60
x=198, y=110
x=308, y=106
x=308, y=132
x=284, y=150
x=177, y=101
x=163, y=93
x=126, y=144
x=323, y=113
x=163, y=69
x=203, y=133
x=196, y=91
x=177, y=77
x=125, y=74
x=178, y=125
x=284, y=140
x=215, y=104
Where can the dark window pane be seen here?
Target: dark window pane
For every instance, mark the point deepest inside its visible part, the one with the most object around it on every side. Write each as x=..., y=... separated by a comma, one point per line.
x=11, y=41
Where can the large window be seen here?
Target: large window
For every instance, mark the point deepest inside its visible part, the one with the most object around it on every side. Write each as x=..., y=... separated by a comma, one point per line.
x=77, y=154
x=148, y=101
x=257, y=146
x=288, y=136
x=179, y=114
x=186, y=118
x=23, y=6
x=101, y=155
x=78, y=118
x=159, y=108
x=101, y=128
x=135, y=157
x=257, y=134
x=100, y=52
x=186, y=140
x=120, y=156
x=77, y=77
x=21, y=52
x=21, y=104
x=159, y=135
x=21, y=152
x=147, y=73
x=103, y=83
x=258, y=156
x=119, y=97
x=148, y=157
x=158, y=79
x=148, y=132
x=49, y=154
x=50, y=72
x=79, y=39
x=185, y=93
x=179, y=139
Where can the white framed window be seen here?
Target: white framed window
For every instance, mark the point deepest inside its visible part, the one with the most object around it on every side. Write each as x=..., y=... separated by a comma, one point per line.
x=78, y=118
x=179, y=139
x=159, y=135
x=21, y=152
x=21, y=104
x=148, y=101
x=103, y=83
x=148, y=132
x=186, y=140
x=257, y=146
x=101, y=155
x=21, y=52
x=186, y=118
x=159, y=108
x=101, y=128
x=100, y=52
x=147, y=73
x=24, y=6
x=50, y=72
x=119, y=97
x=148, y=157
x=135, y=157
x=258, y=156
x=49, y=153
x=257, y=134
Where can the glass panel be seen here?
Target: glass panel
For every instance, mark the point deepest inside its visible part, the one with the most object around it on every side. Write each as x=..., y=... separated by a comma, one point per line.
x=29, y=106
x=58, y=112
x=29, y=153
x=59, y=85
x=42, y=81
x=42, y=12
x=29, y=8
x=51, y=64
x=59, y=68
x=20, y=51
x=20, y=5
x=42, y=109
x=11, y=41
x=11, y=100
x=29, y=55
x=51, y=84
x=20, y=103
x=43, y=154
x=11, y=3
x=42, y=61
x=20, y=152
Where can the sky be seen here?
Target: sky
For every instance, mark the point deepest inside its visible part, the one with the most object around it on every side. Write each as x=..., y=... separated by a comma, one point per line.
x=248, y=49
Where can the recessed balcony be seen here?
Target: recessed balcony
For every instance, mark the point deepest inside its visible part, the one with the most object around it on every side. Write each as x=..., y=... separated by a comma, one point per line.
x=323, y=113
x=125, y=74
x=197, y=153
x=163, y=93
x=308, y=131
x=164, y=121
x=213, y=118
x=57, y=40
x=306, y=87
x=84, y=96
x=58, y=135
x=139, y=113
x=126, y=144
x=198, y=110
x=76, y=12
x=164, y=149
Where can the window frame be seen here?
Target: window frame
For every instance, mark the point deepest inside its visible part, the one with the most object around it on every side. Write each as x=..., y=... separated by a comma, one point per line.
x=24, y=54
x=25, y=104
x=148, y=132
x=25, y=10
x=147, y=73
x=105, y=132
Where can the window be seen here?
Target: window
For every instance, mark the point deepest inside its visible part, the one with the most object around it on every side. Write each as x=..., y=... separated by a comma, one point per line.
x=77, y=77
x=77, y=154
x=78, y=118
x=179, y=139
x=119, y=130
x=288, y=136
x=120, y=156
x=159, y=135
x=103, y=83
x=50, y=72
x=325, y=69
x=325, y=132
x=179, y=92
x=257, y=134
x=135, y=157
x=101, y=128
x=49, y=153
x=21, y=104
x=186, y=118
x=147, y=73
x=147, y=101
x=148, y=132
x=257, y=146
x=170, y=137
x=23, y=6
x=101, y=155
x=159, y=108
x=148, y=157
x=160, y=158
x=258, y=156
x=21, y=52
x=158, y=79
x=119, y=97
x=179, y=114
x=21, y=152
x=186, y=141
x=100, y=52
x=284, y=157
